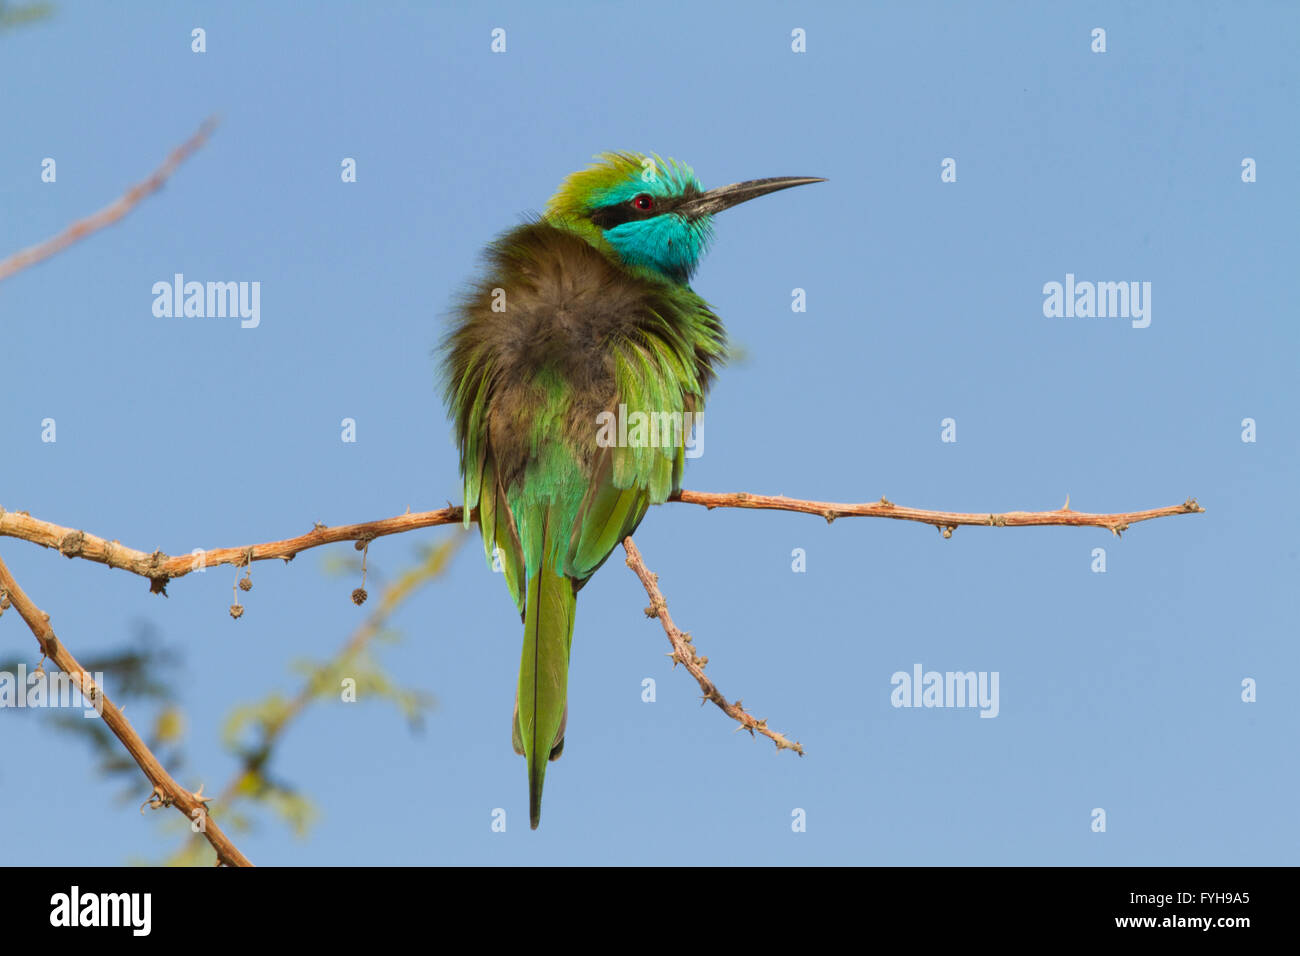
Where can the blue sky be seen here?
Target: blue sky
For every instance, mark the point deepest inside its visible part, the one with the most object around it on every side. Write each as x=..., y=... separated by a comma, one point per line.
x=1118, y=690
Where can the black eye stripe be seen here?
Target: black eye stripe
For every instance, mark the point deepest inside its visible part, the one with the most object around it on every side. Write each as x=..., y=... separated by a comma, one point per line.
x=607, y=217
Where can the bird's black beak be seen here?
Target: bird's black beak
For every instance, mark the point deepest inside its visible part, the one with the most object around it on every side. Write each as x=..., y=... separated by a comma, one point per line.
x=724, y=197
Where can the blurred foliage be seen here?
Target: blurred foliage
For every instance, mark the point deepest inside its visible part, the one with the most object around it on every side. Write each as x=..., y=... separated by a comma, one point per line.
x=144, y=673
x=19, y=14
x=253, y=731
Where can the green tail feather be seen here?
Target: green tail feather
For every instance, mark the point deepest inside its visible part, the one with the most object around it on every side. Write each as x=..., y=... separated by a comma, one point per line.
x=544, y=673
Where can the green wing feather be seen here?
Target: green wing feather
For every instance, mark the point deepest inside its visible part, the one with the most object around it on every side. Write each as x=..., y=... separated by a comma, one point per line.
x=500, y=536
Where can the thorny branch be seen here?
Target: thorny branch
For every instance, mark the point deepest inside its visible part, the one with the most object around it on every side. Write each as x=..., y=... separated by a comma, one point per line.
x=945, y=521
x=159, y=568
x=166, y=791
x=684, y=653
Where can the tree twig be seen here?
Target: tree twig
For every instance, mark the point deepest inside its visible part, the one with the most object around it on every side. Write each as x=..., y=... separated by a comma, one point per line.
x=166, y=791
x=945, y=521
x=684, y=653
x=110, y=213
x=159, y=567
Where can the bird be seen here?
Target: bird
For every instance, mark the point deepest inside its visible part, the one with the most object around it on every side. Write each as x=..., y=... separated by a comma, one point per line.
x=581, y=313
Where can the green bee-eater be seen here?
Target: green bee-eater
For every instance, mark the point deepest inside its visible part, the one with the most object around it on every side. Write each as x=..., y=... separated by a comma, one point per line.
x=583, y=315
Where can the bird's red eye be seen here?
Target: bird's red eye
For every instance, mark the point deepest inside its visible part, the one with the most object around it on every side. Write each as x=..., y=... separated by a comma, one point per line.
x=643, y=202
